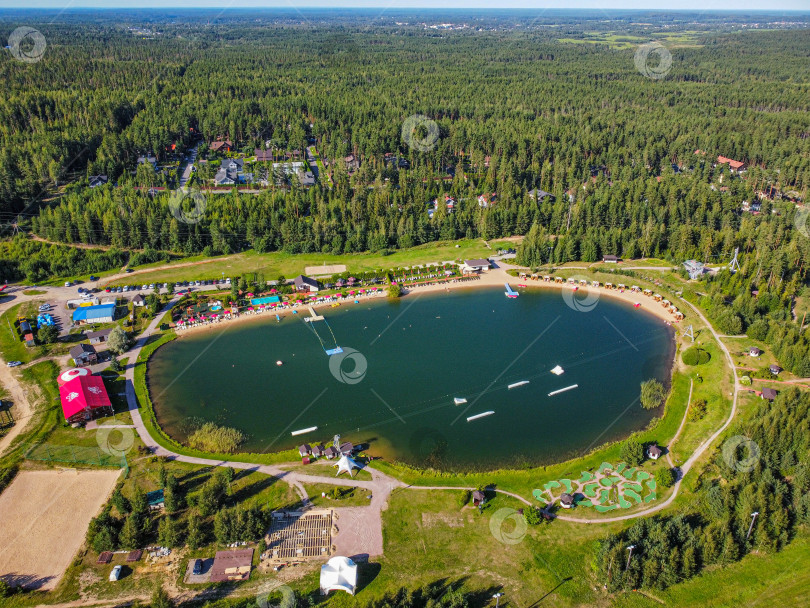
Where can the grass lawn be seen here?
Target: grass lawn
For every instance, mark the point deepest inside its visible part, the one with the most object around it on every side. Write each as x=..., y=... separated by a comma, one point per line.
x=289, y=265
x=350, y=497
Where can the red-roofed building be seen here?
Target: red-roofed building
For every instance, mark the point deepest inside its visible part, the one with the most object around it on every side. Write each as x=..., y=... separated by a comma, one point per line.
x=735, y=165
x=84, y=398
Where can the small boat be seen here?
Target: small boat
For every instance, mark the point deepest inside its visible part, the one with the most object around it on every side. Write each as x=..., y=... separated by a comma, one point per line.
x=279, y=362
x=637, y=305
x=278, y=318
x=481, y=415
x=557, y=370
x=517, y=384
x=459, y=400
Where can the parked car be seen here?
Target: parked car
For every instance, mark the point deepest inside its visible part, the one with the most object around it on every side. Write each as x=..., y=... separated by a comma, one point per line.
x=45, y=307
x=93, y=278
x=144, y=286
x=14, y=363
x=197, y=566
x=68, y=284
x=107, y=290
x=130, y=270
x=116, y=573
x=151, y=285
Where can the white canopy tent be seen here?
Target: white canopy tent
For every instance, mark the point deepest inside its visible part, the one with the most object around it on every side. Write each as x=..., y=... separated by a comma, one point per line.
x=339, y=574
x=345, y=464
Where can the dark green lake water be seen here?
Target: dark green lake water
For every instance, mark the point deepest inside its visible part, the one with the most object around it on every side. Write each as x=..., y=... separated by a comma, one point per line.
x=419, y=353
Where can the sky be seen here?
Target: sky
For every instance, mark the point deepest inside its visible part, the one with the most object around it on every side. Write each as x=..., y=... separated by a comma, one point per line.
x=703, y=5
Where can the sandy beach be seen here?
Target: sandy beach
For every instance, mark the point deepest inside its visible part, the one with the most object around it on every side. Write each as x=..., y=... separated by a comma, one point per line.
x=492, y=278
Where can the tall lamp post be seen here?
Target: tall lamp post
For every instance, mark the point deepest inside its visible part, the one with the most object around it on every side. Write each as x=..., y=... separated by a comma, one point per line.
x=497, y=597
x=629, y=555
x=751, y=527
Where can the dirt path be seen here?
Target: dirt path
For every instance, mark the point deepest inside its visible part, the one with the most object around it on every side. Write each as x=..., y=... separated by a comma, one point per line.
x=9, y=379
x=121, y=275
x=22, y=407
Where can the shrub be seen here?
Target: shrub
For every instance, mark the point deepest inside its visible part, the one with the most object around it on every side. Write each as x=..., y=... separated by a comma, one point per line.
x=220, y=439
x=531, y=516
x=697, y=409
x=695, y=356
x=394, y=290
x=745, y=380
x=665, y=478
x=48, y=334
x=632, y=452
x=652, y=394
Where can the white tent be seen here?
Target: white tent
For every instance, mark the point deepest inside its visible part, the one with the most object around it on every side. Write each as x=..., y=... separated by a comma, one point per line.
x=345, y=464
x=70, y=374
x=339, y=574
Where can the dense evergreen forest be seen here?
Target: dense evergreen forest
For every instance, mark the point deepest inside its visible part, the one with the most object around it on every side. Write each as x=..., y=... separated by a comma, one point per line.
x=516, y=110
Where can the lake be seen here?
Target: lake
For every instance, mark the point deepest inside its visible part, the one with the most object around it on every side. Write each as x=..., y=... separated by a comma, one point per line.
x=413, y=357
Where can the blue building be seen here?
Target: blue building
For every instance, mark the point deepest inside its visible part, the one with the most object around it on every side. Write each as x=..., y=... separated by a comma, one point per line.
x=104, y=313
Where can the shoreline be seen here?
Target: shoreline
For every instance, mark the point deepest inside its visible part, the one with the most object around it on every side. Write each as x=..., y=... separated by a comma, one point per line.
x=492, y=278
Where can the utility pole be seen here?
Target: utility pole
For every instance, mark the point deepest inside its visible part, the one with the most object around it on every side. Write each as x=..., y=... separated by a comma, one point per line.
x=629, y=555
x=751, y=527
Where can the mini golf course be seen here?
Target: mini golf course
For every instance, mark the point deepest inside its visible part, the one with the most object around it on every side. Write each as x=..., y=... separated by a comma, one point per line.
x=609, y=488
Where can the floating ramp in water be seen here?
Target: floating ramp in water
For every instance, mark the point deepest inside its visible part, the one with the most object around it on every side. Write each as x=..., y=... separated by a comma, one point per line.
x=517, y=384
x=562, y=390
x=481, y=415
x=557, y=371
x=334, y=351
x=302, y=431
x=510, y=293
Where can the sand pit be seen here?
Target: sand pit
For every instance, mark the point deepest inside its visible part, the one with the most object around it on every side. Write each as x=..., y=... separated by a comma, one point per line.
x=45, y=515
x=324, y=270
